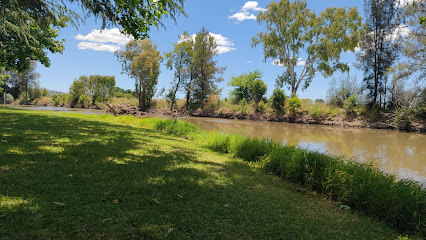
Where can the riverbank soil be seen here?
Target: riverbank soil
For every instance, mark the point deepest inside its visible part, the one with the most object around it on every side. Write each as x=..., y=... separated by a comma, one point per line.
x=70, y=176
x=301, y=117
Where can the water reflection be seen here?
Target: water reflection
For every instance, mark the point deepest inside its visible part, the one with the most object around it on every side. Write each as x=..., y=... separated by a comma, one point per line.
x=398, y=152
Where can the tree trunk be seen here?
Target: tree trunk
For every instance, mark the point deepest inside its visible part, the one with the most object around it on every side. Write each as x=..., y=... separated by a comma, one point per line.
x=140, y=95
x=143, y=95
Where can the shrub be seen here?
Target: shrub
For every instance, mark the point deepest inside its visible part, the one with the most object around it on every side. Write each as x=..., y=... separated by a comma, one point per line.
x=278, y=99
x=261, y=106
x=43, y=101
x=128, y=95
x=84, y=101
x=213, y=103
x=118, y=94
x=55, y=99
x=294, y=103
x=350, y=104
x=176, y=127
x=243, y=106
x=319, y=100
x=9, y=98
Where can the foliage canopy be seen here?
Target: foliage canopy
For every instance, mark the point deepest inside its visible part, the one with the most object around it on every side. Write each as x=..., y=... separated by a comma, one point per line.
x=293, y=30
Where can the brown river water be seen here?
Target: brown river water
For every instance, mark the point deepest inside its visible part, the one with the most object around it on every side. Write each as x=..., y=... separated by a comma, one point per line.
x=401, y=153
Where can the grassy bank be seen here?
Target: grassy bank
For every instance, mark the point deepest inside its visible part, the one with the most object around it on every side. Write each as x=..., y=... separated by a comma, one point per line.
x=77, y=176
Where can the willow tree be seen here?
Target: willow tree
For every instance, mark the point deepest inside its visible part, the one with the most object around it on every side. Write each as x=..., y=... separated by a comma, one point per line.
x=141, y=61
x=294, y=31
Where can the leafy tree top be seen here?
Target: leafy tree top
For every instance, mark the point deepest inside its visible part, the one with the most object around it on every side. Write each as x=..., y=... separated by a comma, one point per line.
x=293, y=30
x=29, y=28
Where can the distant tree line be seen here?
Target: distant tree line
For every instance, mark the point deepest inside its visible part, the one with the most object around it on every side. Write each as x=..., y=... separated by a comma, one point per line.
x=24, y=86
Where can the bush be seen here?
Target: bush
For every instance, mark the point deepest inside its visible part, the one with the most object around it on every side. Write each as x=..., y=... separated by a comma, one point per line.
x=350, y=104
x=118, y=94
x=43, y=101
x=278, y=99
x=243, y=106
x=261, y=106
x=319, y=100
x=176, y=127
x=83, y=101
x=9, y=98
x=294, y=103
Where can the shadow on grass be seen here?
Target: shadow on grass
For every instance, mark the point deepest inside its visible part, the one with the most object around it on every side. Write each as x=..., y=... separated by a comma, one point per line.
x=64, y=177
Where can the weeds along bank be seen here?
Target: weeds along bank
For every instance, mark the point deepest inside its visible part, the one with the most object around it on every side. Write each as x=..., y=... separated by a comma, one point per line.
x=400, y=203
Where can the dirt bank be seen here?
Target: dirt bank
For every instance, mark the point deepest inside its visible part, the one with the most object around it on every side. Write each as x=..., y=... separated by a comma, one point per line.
x=301, y=117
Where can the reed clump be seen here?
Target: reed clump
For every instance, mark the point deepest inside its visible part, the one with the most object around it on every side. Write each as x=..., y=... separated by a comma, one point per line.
x=400, y=203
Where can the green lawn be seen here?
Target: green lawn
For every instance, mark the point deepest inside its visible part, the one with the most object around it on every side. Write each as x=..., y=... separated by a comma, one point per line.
x=79, y=177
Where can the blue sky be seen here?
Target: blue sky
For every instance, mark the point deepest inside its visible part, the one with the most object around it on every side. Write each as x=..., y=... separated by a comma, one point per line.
x=87, y=52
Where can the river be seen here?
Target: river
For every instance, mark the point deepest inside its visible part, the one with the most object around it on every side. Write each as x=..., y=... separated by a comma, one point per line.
x=401, y=153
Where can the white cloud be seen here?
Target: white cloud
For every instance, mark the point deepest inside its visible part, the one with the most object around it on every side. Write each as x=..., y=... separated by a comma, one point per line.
x=252, y=5
x=401, y=31
x=277, y=63
x=404, y=3
x=241, y=16
x=249, y=62
x=223, y=43
x=98, y=46
x=301, y=63
x=224, y=49
x=245, y=14
x=96, y=38
x=221, y=40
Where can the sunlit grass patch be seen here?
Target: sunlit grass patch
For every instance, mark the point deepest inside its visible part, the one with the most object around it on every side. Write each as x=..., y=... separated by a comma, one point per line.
x=137, y=182
x=8, y=203
x=52, y=149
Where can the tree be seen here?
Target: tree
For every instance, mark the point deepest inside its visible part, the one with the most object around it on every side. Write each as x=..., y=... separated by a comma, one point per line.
x=257, y=90
x=243, y=84
x=278, y=99
x=141, y=61
x=341, y=89
x=407, y=96
x=180, y=59
x=77, y=89
x=413, y=46
x=293, y=30
x=22, y=82
x=100, y=88
x=378, y=48
x=205, y=69
x=29, y=28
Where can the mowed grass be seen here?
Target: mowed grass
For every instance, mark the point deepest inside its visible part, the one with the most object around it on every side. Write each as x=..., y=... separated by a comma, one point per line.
x=67, y=176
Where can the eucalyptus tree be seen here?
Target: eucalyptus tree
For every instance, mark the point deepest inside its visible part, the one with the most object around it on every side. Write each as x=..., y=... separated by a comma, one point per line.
x=180, y=59
x=205, y=69
x=141, y=61
x=29, y=29
x=294, y=31
x=378, y=46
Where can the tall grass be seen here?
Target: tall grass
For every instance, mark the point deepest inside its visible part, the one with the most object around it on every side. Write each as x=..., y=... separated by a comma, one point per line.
x=400, y=203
